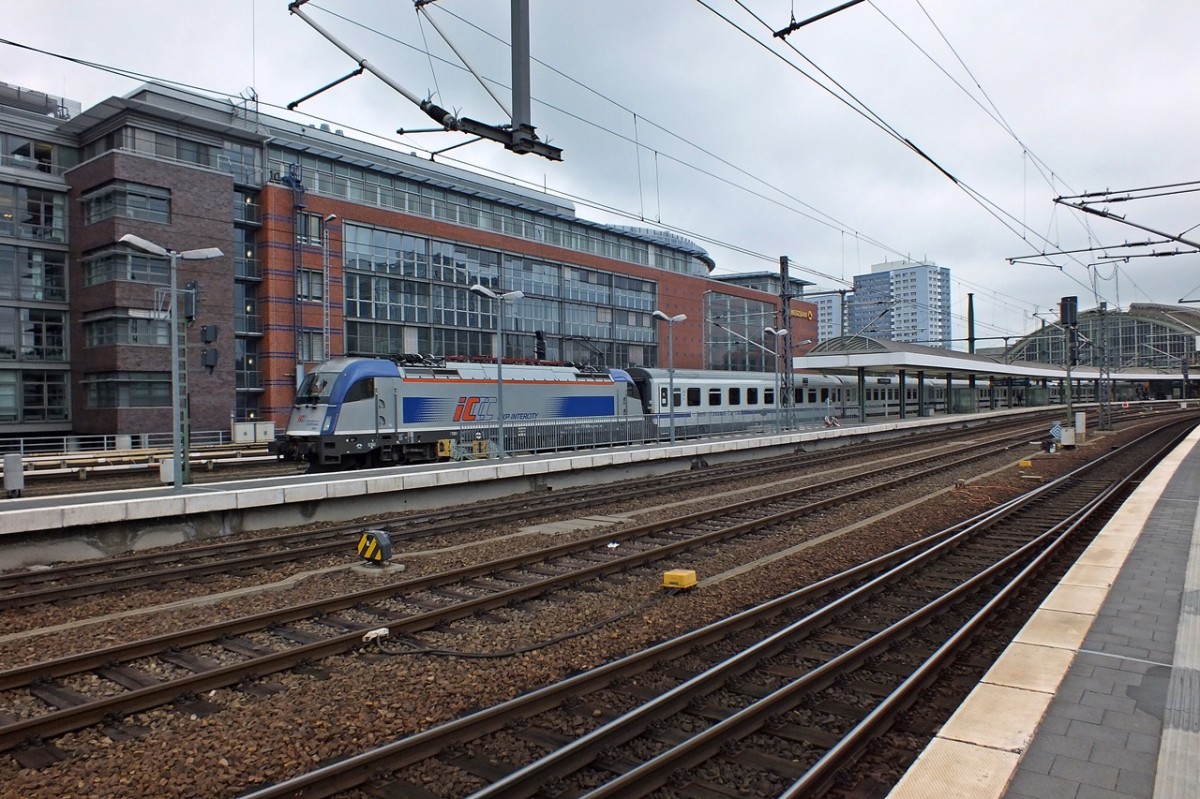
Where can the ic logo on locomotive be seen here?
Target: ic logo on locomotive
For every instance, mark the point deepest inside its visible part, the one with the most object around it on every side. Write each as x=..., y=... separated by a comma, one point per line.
x=473, y=409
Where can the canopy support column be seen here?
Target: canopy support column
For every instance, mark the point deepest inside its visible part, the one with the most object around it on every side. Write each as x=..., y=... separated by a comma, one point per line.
x=862, y=394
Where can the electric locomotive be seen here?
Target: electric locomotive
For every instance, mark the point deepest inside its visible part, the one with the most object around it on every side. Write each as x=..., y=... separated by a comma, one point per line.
x=359, y=412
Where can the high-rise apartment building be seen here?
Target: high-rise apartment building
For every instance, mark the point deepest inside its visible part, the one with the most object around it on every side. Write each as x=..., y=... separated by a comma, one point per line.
x=831, y=313
x=902, y=301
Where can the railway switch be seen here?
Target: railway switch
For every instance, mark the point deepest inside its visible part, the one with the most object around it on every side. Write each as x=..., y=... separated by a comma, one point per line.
x=375, y=547
x=679, y=578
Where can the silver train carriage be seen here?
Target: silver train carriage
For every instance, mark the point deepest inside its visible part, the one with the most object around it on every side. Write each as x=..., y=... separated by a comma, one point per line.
x=708, y=401
x=358, y=412
x=721, y=401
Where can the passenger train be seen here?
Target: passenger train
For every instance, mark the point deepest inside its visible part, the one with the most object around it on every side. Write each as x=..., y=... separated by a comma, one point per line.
x=357, y=412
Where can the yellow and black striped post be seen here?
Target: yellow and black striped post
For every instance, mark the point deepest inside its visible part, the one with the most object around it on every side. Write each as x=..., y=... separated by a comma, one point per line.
x=375, y=547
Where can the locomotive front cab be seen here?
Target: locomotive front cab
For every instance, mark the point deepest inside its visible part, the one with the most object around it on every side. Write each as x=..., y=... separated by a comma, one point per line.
x=316, y=388
x=334, y=412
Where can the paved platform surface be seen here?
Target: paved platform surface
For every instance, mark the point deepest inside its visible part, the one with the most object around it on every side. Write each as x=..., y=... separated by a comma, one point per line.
x=1099, y=695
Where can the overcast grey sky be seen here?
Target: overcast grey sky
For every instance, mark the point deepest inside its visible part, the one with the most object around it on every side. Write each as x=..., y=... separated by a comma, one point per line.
x=690, y=115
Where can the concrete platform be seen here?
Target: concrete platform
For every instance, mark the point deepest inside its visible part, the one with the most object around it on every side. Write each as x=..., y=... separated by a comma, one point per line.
x=38, y=531
x=1098, y=697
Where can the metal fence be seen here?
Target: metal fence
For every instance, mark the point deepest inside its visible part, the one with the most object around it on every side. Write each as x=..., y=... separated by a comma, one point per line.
x=35, y=445
x=556, y=435
x=479, y=439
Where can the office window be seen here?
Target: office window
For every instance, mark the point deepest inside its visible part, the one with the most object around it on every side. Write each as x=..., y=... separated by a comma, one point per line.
x=245, y=364
x=309, y=228
x=33, y=274
x=246, y=406
x=44, y=396
x=312, y=346
x=123, y=264
x=43, y=214
x=310, y=285
x=121, y=328
x=10, y=406
x=43, y=335
x=127, y=200
x=128, y=389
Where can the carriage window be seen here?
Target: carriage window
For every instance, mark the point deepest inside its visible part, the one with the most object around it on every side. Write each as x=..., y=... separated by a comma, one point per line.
x=824, y=395
x=812, y=395
x=735, y=396
x=768, y=396
x=714, y=396
x=693, y=397
x=662, y=397
x=678, y=397
x=752, y=396
x=363, y=389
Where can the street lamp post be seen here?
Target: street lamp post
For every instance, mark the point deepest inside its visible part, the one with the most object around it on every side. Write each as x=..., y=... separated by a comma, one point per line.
x=178, y=445
x=671, y=320
x=780, y=342
x=484, y=291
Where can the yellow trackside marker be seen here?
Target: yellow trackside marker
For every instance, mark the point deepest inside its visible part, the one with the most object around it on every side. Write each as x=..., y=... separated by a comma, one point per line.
x=679, y=578
x=374, y=545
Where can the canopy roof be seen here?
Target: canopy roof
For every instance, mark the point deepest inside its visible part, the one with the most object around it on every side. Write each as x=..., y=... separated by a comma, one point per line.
x=848, y=354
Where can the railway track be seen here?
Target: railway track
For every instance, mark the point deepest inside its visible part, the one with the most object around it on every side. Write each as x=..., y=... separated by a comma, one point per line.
x=73, y=473
x=68, y=582
x=55, y=697
x=778, y=700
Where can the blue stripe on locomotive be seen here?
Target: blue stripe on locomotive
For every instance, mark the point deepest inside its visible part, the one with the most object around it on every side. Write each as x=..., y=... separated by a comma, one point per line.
x=577, y=407
x=418, y=410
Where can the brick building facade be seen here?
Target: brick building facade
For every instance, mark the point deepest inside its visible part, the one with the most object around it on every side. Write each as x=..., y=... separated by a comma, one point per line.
x=330, y=246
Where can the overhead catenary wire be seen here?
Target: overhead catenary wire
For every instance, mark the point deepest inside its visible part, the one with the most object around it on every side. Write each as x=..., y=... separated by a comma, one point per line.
x=1016, y=224
x=821, y=217
x=717, y=241
x=1006, y=219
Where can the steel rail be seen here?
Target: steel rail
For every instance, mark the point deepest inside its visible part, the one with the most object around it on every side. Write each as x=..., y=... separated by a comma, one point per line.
x=821, y=774
x=67, y=719
x=355, y=769
x=513, y=508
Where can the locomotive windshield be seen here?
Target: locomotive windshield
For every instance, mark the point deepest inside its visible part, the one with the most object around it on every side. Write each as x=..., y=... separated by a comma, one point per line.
x=316, y=388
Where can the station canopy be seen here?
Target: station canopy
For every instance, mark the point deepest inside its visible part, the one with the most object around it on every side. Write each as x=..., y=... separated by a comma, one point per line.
x=876, y=356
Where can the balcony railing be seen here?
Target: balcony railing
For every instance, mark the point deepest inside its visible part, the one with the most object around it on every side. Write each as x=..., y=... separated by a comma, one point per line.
x=32, y=164
x=250, y=213
x=247, y=323
x=247, y=268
